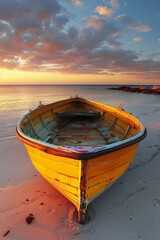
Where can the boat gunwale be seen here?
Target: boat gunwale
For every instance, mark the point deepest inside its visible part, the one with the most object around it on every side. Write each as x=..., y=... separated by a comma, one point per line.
x=63, y=152
x=70, y=153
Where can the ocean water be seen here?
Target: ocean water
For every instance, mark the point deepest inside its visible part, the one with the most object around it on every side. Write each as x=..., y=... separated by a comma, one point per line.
x=15, y=101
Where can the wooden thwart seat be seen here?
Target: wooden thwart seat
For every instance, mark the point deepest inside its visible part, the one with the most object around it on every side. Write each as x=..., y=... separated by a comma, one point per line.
x=67, y=114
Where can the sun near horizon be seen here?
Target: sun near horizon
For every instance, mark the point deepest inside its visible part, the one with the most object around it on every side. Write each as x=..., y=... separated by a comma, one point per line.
x=16, y=77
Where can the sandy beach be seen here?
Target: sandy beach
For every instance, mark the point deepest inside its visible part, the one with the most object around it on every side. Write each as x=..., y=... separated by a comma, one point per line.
x=130, y=209
x=107, y=52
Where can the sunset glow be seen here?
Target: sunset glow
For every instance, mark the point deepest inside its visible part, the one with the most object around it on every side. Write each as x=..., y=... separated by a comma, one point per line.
x=72, y=42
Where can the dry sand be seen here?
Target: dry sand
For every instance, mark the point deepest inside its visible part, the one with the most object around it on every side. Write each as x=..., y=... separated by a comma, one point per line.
x=130, y=209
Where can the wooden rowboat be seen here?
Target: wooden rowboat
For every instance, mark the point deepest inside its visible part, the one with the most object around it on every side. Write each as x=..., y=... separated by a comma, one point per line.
x=81, y=147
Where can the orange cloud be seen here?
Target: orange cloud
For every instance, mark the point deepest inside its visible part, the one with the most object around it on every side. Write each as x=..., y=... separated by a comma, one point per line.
x=103, y=10
x=137, y=39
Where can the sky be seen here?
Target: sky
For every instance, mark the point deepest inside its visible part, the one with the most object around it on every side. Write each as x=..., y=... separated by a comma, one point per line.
x=80, y=42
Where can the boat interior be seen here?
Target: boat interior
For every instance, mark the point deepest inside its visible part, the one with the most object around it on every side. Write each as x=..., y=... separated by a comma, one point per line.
x=77, y=123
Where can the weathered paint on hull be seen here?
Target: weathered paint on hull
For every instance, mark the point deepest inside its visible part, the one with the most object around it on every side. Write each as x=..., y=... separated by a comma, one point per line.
x=74, y=181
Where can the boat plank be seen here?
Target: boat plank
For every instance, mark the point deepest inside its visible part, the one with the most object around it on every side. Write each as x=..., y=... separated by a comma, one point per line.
x=56, y=163
x=106, y=176
x=96, y=190
x=67, y=192
x=62, y=185
x=88, y=135
x=52, y=174
x=110, y=161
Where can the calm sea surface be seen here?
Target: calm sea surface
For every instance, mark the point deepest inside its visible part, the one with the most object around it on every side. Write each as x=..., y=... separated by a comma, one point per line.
x=15, y=101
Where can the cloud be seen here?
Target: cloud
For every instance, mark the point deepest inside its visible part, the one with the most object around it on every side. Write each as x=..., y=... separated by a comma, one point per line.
x=137, y=39
x=10, y=9
x=97, y=30
x=61, y=20
x=115, y=3
x=26, y=24
x=93, y=22
x=38, y=35
x=46, y=8
x=77, y=3
x=155, y=55
x=5, y=29
x=132, y=24
x=103, y=10
x=15, y=9
x=159, y=40
x=29, y=27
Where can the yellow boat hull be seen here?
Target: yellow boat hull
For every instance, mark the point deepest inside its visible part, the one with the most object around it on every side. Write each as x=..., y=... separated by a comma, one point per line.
x=76, y=178
x=80, y=147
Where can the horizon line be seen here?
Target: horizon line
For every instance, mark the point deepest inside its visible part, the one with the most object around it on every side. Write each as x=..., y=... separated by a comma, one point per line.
x=87, y=84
